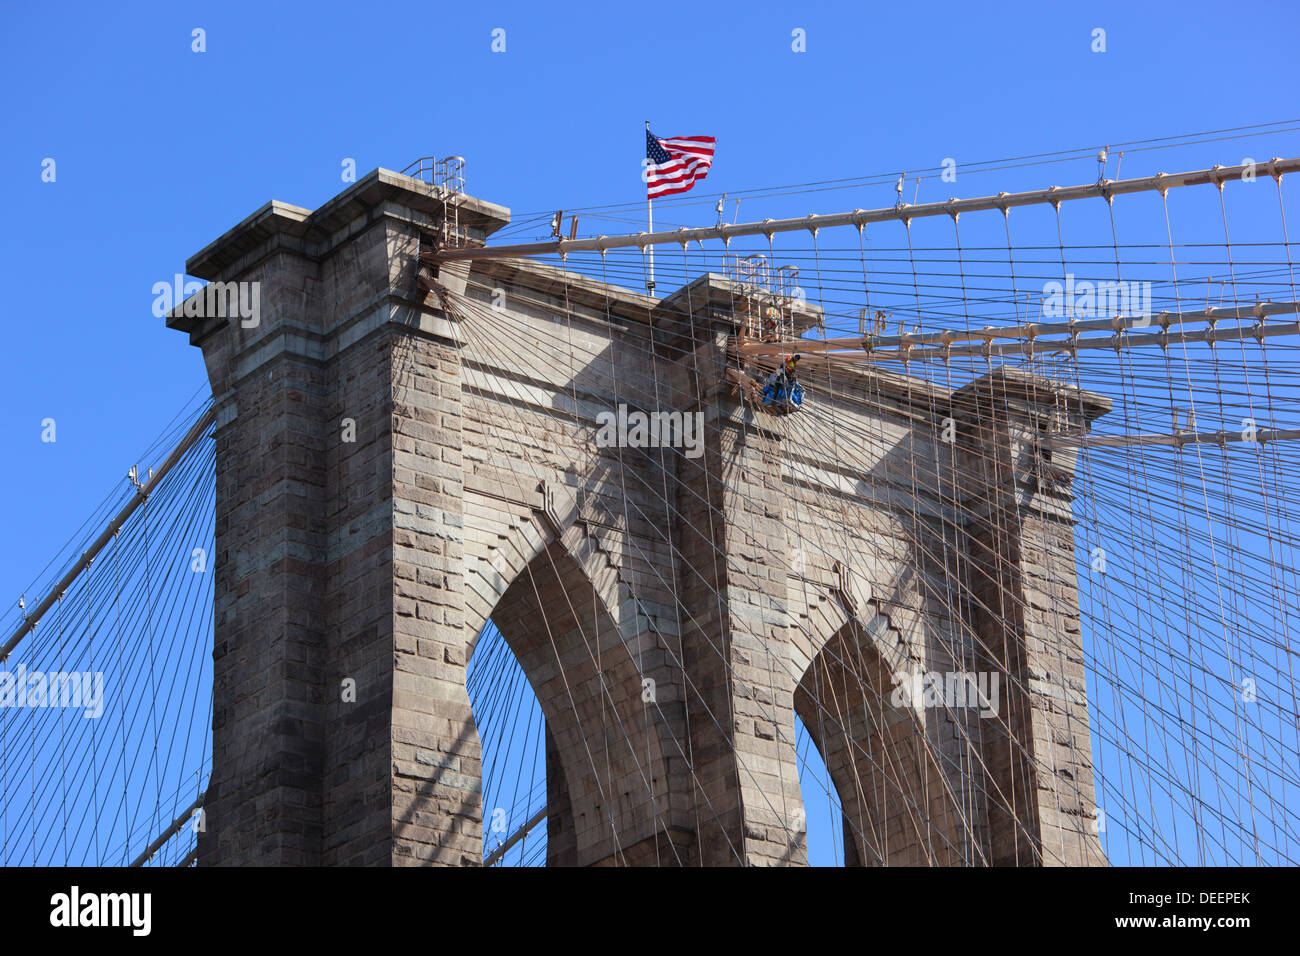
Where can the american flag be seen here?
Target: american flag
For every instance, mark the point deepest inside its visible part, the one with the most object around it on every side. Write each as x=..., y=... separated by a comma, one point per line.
x=675, y=164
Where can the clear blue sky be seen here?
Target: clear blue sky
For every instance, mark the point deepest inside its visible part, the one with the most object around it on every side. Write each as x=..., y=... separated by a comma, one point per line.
x=160, y=149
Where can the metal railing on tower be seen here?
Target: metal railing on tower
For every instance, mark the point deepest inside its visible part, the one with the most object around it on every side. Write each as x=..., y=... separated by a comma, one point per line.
x=447, y=176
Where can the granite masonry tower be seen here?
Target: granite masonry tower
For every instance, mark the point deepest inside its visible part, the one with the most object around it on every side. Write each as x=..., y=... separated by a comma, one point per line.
x=391, y=473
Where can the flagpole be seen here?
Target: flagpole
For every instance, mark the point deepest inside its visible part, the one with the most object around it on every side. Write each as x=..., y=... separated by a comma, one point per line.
x=650, y=228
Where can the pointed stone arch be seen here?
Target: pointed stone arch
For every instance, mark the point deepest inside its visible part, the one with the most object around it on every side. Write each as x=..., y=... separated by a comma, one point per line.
x=881, y=757
x=541, y=574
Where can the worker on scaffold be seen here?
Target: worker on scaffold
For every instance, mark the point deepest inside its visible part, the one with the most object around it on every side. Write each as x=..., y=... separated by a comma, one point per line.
x=782, y=386
x=789, y=371
x=785, y=374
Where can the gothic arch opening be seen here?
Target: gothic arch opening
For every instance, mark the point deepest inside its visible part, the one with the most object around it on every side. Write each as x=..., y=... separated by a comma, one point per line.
x=892, y=799
x=512, y=735
x=573, y=737
x=823, y=812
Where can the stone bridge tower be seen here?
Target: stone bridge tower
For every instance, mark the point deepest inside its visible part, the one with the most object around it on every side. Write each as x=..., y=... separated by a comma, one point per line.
x=392, y=471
